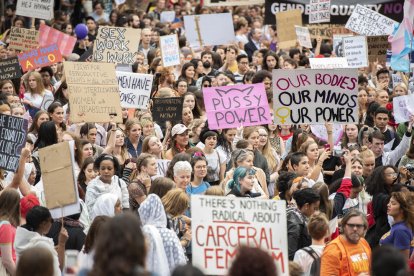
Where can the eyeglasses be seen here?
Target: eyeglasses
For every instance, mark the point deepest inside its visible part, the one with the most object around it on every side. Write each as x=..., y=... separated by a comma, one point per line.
x=358, y=226
x=392, y=174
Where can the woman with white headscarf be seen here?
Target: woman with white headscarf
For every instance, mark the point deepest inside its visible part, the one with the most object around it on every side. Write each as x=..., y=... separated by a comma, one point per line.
x=107, y=205
x=165, y=251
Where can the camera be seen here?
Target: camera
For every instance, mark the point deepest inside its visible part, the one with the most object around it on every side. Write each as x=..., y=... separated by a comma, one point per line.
x=410, y=168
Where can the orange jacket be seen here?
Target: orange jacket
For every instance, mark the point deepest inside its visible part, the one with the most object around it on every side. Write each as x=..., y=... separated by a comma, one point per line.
x=345, y=259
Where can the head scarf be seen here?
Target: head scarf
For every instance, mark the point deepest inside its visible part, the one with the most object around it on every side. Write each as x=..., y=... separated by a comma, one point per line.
x=105, y=205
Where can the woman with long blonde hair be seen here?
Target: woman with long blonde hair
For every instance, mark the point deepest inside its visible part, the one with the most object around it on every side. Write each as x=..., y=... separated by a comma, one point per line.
x=36, y=91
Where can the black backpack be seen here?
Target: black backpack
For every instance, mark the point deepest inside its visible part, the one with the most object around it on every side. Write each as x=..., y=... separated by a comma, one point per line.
x=316, y=264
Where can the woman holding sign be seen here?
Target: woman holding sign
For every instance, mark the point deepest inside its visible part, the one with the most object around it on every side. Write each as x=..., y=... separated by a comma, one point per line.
x=36, y=91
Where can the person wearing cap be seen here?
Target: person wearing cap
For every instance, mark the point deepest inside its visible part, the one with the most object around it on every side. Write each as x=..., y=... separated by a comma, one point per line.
x=179, y=141
x=216, y=160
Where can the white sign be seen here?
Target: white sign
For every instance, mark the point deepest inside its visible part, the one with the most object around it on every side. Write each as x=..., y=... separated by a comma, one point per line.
x=223, y=223
x=355, y=51
x=403, y=108
x=170, y=51
x=396, y=79
x=135, y=89
x=303, y=36
x=315, y=96
x=34, y=8
x=365, y=21
x=328, y=63
x=337, y=44
x=320, y=11
x=209, y=29
x=167, y=16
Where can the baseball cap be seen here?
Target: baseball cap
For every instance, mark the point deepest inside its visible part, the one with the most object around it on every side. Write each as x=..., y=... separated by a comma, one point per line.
x=178, y=129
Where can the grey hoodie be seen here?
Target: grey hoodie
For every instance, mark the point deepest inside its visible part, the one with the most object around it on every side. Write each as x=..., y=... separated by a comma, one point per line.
x=28, y=239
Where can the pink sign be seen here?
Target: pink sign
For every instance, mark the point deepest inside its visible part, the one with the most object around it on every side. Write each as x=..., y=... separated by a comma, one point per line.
x=49, y=36
x=233, y=106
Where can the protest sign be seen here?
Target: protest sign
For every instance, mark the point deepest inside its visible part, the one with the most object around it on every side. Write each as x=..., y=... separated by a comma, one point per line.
x=338, y=47
x=355, y=51
x=23, y=39
x=321, y=132
x=10, y=69
x=57, y=166
x=340, y=9
x=396, y=79
x=286, y=22
x=377, y=48
x=365, y=21
x=201, y=30
x=12, y=140
x=162, y=167
x=116, y=45
x=224, y=223
x=170, y=51
x=167, y=109
x=93, y=92
x=326, y=31
x=315, y=96
x=220, y=3
x=237, y=105
x=303, y=35
x=49, y=36
x=320, y=11
x=328, y=63
x=40, y=57
x=403, y=108
x=35, y=8
x=135, y=89
x=167, y=16
x=48, y=99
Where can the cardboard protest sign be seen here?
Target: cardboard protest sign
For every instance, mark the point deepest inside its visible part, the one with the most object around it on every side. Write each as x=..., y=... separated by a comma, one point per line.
x=403, y=108
x=355, y=51
x=58, y=175
x=40, y=57
x=377, y=48
x=13, y=131
x=224, y=223
x=93, y=92
x=49, y=36
x=135, y=89
x=231, y=106
x=328, y=63
x=220, y=3
x=34, y=8
x=116, y=45
x=10, y=69
x=326, y=31
x=303, y=35
x=365, y=21
x=340, y=9
x=170, y=51
x=320, y=11
x=286, y=33
x=167, y=109
x=315, y=96
x=23, y=39
x=201, y=30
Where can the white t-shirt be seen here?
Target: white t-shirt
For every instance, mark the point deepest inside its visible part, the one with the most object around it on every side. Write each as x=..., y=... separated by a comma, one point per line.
x=214, y=160
x=305, y=260
x=37, y=99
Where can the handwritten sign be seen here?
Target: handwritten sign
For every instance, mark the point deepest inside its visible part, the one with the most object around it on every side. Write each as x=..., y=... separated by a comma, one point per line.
x=403, y=108
x=326, y=31
x=170, y=51
x=365, y=21
x=328, y=63
x=396, y=79
x=315, y=96
x=167, y=109
x=10, y=69
x=13, y=132
x=34, y=8
x=221, y=3
x=40, y=57
x=377, y=48
x=230, y=106
x=135, y=89
x=320, y=11
x=116, y=45
x=303, y=35
x=286, y=22
x=355, y=51
x=223, y=223
x=162, y=167
x=93, y=92
x=49, y=36
x=23, y=39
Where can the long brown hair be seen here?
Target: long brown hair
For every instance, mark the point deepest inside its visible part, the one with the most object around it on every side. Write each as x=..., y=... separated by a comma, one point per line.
x=10, y=206
x=406, y=201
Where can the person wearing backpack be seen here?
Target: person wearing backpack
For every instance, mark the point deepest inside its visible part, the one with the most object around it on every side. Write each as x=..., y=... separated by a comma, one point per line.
x=309, y=257
x=349, y=254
